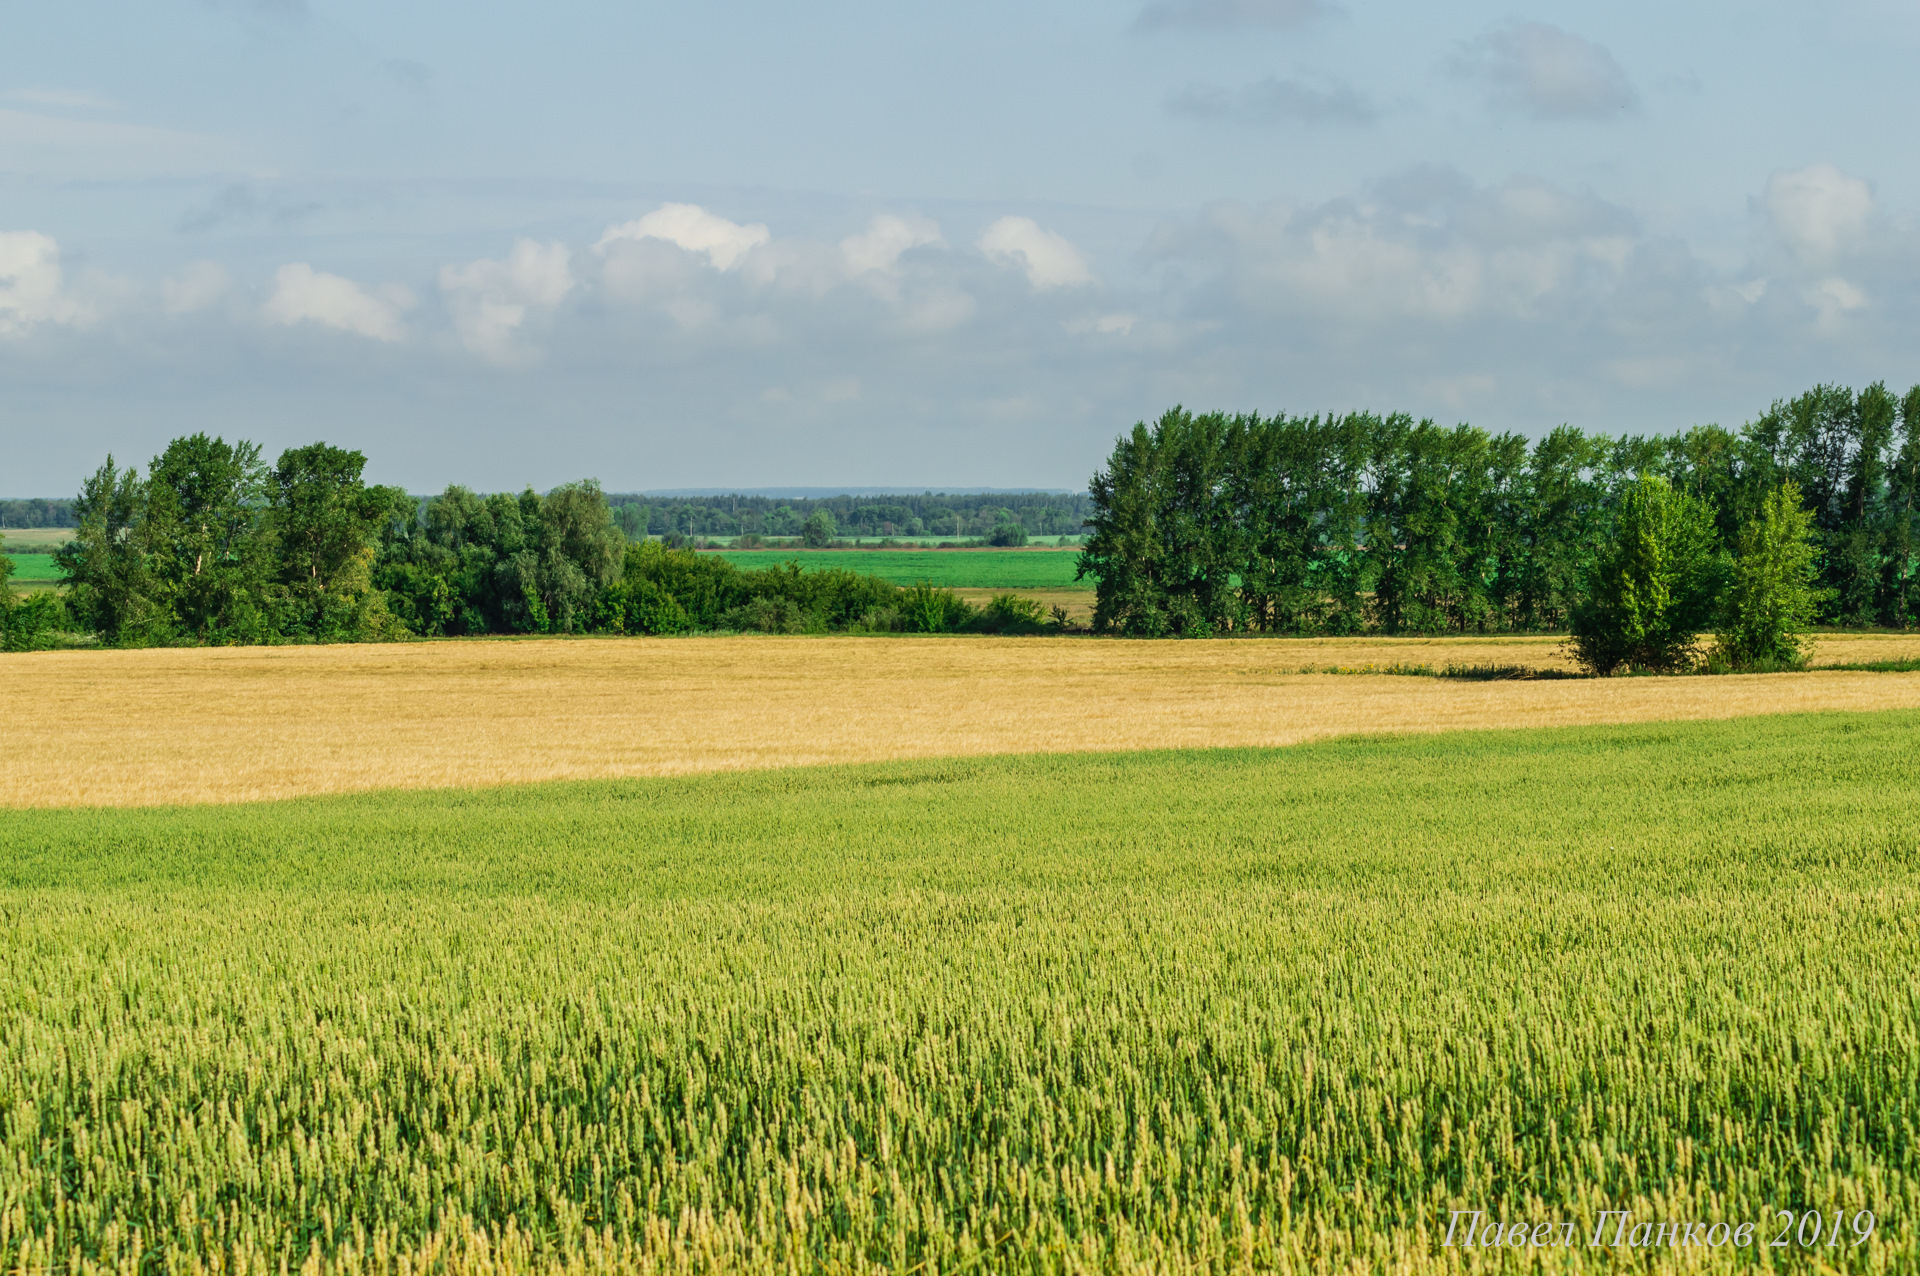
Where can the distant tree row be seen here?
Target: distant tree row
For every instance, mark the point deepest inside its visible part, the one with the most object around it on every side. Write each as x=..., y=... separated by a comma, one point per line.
x=1363, y=523
x=213, y=545
x=37, y=512
x=972, y=516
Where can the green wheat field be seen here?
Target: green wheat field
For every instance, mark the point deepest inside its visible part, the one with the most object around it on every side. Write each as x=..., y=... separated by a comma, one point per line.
x=947, y=568
x=1209, y=1011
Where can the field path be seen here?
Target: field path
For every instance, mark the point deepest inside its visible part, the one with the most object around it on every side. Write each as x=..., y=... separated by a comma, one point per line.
x=236, y=724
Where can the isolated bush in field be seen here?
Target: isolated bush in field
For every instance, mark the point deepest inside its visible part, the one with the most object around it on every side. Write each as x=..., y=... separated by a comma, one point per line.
x=819, y=530
x=1011, y=614
x=1007, y=535
x=934, y=611
x=1771, y=597
x=1651, y=592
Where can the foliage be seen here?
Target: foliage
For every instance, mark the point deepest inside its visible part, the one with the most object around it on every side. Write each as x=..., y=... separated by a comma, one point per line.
x=819, y=530
x=1007, y=535
x=1011, y=614
x=952, y=515
x=1339, y=524
x=36, y=513
x=1771, y=596
x=1053, y=1013
x=1652, y=589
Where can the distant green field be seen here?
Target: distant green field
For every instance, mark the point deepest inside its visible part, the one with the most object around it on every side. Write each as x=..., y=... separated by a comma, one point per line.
x=1237, y=1011
x=948, y=568
x=32, y=568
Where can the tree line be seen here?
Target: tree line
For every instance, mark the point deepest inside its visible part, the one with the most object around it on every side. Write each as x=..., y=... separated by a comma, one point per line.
x=36, y=512
x=971, y=515
x=1363, y=523
x=212, y=545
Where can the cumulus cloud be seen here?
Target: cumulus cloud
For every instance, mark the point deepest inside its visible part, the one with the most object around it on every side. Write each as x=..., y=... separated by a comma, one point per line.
x=694, y=229
x=879, y=246
x=1832, y=299
x=1817, y=210
x=1550, y=74
x=1231, y=13
x=302, y=294
x=1273, y=101
x=1049, y=259
x=491, y=300
x=32, y=288
x=1430, y=245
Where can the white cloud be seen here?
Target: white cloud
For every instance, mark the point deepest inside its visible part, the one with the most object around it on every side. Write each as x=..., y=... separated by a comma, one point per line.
x=1232, y=13
x=880, y=245
x=490, y=300
x=32, y=289
x=1832, y=299
x=1049, y=260
x=197, y=287
x=303, y=295
x=695, y=229
x=1429, y=246
x=1547, y=73
x=1817, y=210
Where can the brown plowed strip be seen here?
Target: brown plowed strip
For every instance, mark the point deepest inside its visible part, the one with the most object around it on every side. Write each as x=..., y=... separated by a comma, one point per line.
x=228, y=725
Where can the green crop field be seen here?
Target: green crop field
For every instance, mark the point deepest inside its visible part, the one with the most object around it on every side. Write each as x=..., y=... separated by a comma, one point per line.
x=33, y=567
x=948, y=568
x=1211, y=1011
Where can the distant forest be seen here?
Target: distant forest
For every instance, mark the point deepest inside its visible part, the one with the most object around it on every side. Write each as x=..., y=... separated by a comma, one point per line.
x=36, y=512
x=929, y=514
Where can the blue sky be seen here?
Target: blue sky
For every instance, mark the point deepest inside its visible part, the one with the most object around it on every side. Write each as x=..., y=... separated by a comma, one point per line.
x=856, y=243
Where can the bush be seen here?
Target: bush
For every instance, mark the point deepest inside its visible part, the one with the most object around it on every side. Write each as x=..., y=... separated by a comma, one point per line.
x=1011, y=614
x=930, y=610
x=30, y=625
x=1771, y=597
x=1651, y=591
x=771, y=616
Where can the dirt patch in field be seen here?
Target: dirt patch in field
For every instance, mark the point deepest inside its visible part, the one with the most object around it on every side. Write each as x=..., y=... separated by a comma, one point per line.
x=226, y=725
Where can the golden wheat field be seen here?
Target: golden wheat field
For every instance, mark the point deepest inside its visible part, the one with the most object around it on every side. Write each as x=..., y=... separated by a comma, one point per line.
x=238, y=724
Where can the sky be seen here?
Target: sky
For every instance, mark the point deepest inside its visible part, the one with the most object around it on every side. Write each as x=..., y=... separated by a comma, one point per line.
x=755, y=244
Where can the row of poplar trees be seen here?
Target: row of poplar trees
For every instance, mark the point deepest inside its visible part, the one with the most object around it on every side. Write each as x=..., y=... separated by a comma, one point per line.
x=1368, y=524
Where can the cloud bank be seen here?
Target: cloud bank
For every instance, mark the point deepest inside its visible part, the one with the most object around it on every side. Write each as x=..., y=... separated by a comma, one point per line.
x=1517, y=304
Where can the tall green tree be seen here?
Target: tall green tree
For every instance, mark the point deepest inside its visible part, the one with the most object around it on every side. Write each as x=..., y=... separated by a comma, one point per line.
x=1900, y=546
x=819, y=530
x=1653, y=587
x=107, y=566
x=1772, y=595
x=326, y=522
x=211, y=555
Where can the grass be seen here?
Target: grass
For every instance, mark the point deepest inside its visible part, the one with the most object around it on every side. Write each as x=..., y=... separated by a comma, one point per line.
x=948, y=568
x=33, y=569
x=239, y=724
x=38, y=538
x=1214, y=1011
